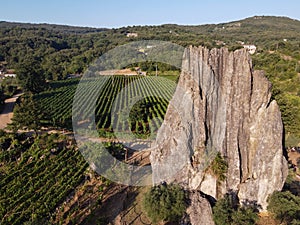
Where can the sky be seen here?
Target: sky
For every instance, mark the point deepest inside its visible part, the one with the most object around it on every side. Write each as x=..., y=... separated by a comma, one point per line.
x=114, y=14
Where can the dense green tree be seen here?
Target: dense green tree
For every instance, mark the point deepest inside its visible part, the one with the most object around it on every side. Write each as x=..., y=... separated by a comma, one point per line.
x=9, y=86
x=223, y=210
x=165, y=203
x=286, y=207
x=227, y=211
x=244, y=216
x=139, y=111
x=31, y=76
x=27, y=115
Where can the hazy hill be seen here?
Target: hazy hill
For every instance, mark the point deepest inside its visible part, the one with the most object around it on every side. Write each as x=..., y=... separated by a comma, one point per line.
x=83, y=45
x=254, y=29
x=258, y=29
x=52, y=27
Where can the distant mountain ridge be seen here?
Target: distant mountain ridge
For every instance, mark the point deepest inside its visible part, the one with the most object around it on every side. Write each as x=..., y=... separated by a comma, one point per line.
x=260, y=22
x=55, y=27
x=252, y=29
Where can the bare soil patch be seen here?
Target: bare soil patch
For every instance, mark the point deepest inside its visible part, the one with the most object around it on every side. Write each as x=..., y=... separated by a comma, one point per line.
x=7, y=113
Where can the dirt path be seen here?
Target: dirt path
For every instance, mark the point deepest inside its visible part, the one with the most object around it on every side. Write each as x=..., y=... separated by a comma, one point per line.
x=7, y=113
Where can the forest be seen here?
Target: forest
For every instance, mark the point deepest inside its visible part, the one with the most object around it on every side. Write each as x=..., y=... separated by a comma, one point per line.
x=43, y=52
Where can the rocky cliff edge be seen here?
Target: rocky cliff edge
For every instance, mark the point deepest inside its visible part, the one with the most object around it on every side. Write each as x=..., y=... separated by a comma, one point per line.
x=222, y=105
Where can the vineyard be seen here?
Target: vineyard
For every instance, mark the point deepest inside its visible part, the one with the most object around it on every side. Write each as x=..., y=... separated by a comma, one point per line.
x=114, y=94
x=36, y=176
x=39, y=173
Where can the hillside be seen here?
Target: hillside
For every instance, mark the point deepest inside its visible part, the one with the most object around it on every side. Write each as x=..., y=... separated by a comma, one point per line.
x=61, y=50
x=259, y=30
x=71, y=49
x=51, y=27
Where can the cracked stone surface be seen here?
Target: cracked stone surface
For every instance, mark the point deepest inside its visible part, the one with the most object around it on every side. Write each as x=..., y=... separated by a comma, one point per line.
x=222, y=105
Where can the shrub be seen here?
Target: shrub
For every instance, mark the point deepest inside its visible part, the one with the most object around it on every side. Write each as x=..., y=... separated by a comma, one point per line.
x=285, y=206
x=165, y=203
x=223, y=210
x=228, y=212
x=219, y=167
x=244, y=216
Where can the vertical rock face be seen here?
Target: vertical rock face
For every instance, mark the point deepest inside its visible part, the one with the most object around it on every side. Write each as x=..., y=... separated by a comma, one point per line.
x=222, y=105
x=199, y=211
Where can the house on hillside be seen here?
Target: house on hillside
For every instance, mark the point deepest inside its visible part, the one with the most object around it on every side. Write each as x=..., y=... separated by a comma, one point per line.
x=10, y=75
x=132, y=35
x=251, y=48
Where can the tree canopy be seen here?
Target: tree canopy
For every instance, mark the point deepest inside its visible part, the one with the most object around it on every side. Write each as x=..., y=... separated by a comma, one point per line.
x=165, y=203
x=286, y=207
x=31, y=76
x=227, y=211
x=27, y=115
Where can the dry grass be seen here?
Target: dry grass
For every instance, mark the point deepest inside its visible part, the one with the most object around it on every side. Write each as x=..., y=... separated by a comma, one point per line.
x=134, y=213
x=266, y=218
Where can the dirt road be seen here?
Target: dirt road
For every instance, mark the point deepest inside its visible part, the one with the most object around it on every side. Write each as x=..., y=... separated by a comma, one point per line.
x=7, y=113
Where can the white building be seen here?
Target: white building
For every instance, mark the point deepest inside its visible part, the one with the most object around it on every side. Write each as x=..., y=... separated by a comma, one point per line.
x=132, y=35
x=251, y=48
x=10, y=75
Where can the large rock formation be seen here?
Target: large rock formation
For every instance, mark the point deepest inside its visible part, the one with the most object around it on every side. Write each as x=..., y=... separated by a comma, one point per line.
x=222, y=105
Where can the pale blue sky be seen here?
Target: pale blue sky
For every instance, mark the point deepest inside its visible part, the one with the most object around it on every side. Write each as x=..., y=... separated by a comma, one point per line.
x=113, y=13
